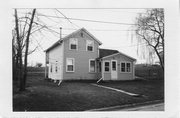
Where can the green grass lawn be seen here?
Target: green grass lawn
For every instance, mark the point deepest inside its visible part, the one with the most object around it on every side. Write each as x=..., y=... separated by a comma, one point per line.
x=149, y=89
x=44, y=95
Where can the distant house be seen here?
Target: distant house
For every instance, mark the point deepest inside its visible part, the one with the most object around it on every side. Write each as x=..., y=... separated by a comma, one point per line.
x=77, y=56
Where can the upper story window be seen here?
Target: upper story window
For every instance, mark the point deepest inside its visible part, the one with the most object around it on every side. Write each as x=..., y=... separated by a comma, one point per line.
x=125, y=67
x=89, y=45
x=73, y=43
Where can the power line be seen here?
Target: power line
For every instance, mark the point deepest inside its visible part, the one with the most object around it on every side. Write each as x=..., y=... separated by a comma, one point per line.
x=142, y=44
x=53, y=27
x=66, y=18
x=84, y=8
x=87, y=20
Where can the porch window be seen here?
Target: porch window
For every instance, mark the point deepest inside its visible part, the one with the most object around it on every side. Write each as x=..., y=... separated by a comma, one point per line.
x=114, y=66
x=125, y=67
x=89, y=45
x=70, y=65
x=106, y=66
x=122, y=67
x=73, y=43
x=92, y=65
x=128, y=67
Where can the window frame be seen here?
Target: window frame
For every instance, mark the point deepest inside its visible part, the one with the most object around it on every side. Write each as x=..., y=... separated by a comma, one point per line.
x=70, y=43
x=90, y=65
x=115, y=65
x=56, y=67
x=126, y=66
x=73, y=64
x=105, y=66
x=51, y=68
x=87, y=45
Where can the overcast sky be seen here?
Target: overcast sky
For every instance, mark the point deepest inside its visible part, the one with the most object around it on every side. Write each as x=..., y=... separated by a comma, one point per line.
x=113, y=36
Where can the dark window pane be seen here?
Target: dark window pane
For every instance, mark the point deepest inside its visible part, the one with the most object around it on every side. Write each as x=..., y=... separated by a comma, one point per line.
x=70, y=68
x=128, y=67
x=90, y=48
x=73, y=46
x=106, y=63
x=92, y=66
x=122, y=67
x=56, y=68
x=106, y=68
x=51, y=68
x=113, y=65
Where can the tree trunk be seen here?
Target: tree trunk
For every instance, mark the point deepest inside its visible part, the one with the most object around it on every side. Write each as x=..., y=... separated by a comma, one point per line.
x=19, y=54
x=161, y=62
x=27, y=46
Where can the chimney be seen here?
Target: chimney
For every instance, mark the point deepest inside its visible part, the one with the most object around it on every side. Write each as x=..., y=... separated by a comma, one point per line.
x=60, y=33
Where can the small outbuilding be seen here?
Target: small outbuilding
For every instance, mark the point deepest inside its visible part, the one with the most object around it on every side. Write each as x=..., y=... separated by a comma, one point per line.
x=116, y=65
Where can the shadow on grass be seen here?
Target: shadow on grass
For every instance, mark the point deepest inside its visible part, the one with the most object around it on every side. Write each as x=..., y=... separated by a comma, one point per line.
x=45, y=95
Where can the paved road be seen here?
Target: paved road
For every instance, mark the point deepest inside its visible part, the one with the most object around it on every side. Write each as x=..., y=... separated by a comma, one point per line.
x=153, y=107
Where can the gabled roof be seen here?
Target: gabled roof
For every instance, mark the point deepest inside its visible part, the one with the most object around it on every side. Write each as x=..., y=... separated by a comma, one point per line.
x=106, y=52
x=118, y=54
x=54, y=45
x=71, y=34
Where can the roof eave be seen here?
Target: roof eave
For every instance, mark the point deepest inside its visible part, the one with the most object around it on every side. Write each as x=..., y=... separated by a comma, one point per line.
x=54, y=45
x=117, y=54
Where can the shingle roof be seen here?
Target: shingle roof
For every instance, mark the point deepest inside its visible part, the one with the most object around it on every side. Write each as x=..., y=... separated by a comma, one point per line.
x=106, y=52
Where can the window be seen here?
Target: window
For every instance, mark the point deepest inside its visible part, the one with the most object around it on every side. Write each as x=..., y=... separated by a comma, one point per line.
x=122, y=67
x=92, y=65
x=114, y=66
x=89, y=45
x=106, y=66
x=51, y=68
x=56, y=67
x=125, y=67
x=128, y=67
x=70, y=65
x=73, y=43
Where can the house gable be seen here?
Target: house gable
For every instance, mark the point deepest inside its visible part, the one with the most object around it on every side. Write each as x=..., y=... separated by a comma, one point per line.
x=120, y=54
x=84, y=31
x=71, y=35
x=81, y=55
x=106, y=52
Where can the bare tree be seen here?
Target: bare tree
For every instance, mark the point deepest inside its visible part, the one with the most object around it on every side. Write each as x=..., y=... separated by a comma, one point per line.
x=21, y=43
x=26, y=26
x=150, y=29
x=19, y=47
x=27, y=47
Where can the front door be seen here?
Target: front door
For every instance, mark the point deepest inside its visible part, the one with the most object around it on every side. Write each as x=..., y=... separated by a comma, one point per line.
x=114, y=69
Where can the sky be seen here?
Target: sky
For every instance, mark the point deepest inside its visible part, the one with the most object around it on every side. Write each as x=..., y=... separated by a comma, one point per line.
x=120, y=36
